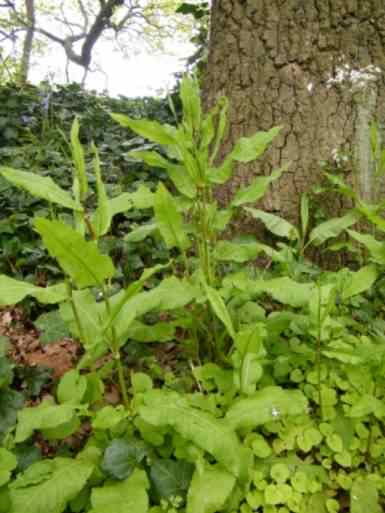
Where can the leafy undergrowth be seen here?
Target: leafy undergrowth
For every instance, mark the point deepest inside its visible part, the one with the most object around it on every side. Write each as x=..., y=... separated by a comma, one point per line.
x=207, y=384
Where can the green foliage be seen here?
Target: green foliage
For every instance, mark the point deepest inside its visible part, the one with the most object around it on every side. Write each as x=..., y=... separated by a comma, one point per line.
x=275, y=402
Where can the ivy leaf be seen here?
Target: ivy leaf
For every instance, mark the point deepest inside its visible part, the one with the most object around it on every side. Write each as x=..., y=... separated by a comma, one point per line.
x=122, y=456
x=51, y=327
x=80, y=259
x=129, y=496
x=10, y=403
x=161, y=408
x=209, y=490
x=171, y=478
x=270, y=403
x=40, y=187
x=50, y=492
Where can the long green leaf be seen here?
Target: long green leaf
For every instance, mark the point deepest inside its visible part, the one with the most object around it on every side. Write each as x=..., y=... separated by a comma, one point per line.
x=151, y=130
x=161, y=408
x=102, y=218
x=128, y=496
x=375, y=247
x=258, y=187
x=209, y=490
x=40, y=187
x=219, y=307
x=48, y=486
x=169, y=220
x=275, y=224
x=191, y=103
x=360, y=281
x=79, y=161
x=130, y=292
x=266, y=405
x=13, y=291
x=249, y=148
x=177, y=174
x=332, y=228
x=80, y=259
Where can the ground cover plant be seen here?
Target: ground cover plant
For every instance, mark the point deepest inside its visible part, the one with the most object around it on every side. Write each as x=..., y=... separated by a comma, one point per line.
x=277, y=401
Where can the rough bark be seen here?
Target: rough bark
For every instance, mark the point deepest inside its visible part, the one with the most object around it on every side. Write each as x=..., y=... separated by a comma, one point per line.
x=316, y=67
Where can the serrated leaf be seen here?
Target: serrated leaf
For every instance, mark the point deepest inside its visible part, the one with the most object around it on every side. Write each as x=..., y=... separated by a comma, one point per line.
x=171, y=478
x=257, y=189
x=270, y=403
x=13, y=291
x=209, y=490
x=40, y=187
x=275, y=224
x=169, y=220
x=250, y=148
x=332, y=228
x=80, y=259
x=151, y=130
x=161, y=408
x=51, y=494
x=128, y=496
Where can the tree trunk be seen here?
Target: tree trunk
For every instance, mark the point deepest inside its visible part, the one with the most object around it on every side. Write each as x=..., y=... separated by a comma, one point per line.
x=28, y=42
x=316, y=67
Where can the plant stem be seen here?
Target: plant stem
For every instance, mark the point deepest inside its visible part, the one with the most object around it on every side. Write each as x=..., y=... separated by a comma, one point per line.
x=78, y=323
x=116, y=352
x=318, y=357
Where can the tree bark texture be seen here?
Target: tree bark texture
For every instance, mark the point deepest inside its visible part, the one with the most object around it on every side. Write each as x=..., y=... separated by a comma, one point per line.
x=316, y=67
